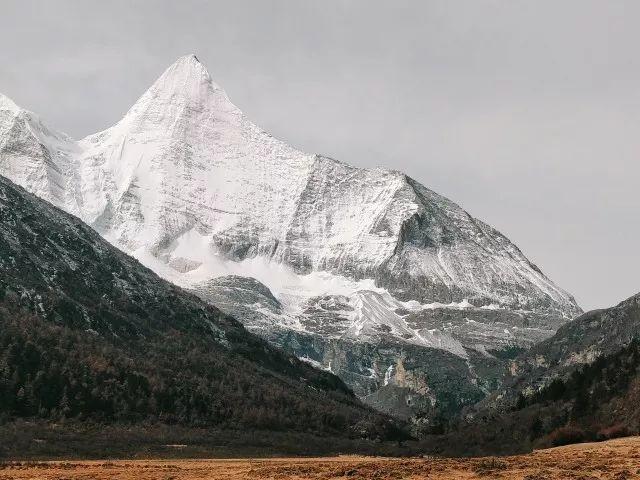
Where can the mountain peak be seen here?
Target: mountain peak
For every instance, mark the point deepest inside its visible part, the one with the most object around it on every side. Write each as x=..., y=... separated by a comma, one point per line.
x=184, y=90
x=188, y=62
x=7, y=104
x=186, y=71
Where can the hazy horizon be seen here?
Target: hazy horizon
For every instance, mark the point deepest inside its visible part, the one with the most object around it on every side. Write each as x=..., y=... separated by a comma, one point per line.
x=524, y=113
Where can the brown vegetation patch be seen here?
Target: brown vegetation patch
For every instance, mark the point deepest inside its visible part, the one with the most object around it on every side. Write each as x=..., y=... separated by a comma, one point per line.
x=612, y=460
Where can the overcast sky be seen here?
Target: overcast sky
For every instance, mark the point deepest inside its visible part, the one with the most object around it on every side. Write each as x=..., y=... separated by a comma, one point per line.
x=527, y=113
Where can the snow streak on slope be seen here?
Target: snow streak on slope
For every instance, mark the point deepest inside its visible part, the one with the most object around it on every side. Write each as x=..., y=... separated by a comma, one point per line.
x=191, y=187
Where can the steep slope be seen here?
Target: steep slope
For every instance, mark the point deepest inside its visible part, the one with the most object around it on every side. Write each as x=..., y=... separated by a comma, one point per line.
x=597, y=401
x=580, y=342
x=354, y=257
x=87, y=332
x=581, y=384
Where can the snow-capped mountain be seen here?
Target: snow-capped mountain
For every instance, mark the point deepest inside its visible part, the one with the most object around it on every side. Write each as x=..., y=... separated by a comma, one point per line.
x=338, y=255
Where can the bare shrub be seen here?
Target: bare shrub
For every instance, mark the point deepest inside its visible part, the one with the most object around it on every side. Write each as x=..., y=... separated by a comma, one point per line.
x=614, y=431
x=566, y=435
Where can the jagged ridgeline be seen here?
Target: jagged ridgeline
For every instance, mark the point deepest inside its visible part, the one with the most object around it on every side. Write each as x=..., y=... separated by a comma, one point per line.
x=414, y=303
x=88, y=333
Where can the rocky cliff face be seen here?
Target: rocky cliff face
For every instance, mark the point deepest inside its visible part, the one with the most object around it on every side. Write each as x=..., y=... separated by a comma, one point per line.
x=341, y=258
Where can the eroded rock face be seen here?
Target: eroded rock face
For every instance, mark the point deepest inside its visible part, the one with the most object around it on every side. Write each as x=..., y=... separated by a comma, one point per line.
x=351, y=258
x=402, y=376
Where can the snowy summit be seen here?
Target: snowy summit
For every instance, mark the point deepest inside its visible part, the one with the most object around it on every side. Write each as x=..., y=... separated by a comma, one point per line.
x=198, y=193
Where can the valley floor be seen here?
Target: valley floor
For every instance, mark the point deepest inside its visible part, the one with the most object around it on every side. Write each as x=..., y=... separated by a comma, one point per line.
x=616, y=460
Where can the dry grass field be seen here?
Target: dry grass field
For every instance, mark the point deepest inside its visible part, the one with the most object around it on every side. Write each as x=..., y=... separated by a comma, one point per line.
x=616, y=460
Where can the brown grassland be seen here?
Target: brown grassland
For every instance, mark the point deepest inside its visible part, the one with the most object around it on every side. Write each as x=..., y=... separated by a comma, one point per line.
x=615, y=459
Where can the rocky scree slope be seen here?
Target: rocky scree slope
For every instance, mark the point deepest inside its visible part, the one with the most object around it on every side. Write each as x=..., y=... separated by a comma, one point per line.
x=87, y=332
x=336, y=259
